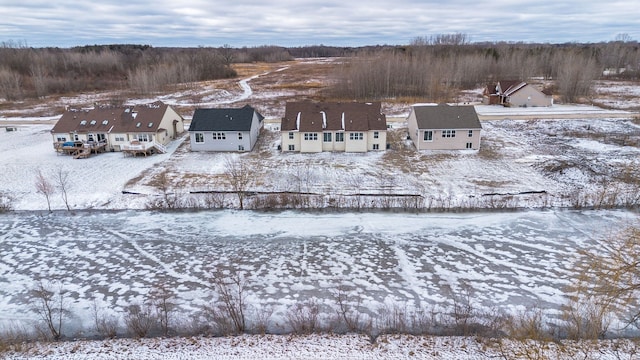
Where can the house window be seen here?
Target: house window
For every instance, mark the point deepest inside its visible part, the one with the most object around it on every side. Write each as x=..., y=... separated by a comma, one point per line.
x=327, y=137
x=61, y=139
x=144, y=137
x=219, y=136
x=470, y=133
x=356, y=136
x=90, y=137
x=448, y=133
x=290, y=136
x=292, y=147
x=376, y=147
x=199, y=137
x=339, y=137
x=76, y=137
x=469, y=145
x=311, y=136
x=119, y=137
x=240, y=136
x=428, y=135
x=240, y=147
x=376, y=134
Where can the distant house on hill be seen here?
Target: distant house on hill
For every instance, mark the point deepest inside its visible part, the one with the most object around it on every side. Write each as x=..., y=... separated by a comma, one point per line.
x=332, y=126
x=135, y=129
x=443, y=127
x=225, y=129
x=515, y=93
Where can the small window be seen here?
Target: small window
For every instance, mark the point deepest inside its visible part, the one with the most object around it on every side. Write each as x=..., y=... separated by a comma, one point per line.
x=448, y=133
x=240, y=147
x=219, y=136
x=199, y=137
x=311, y=136
x=376, y=147
x=292, y=147
x=428, y=135
x=83, y=122
x=93, y=122
x=105, y=122
x=339, y=137
x=470, y=133
x=326, y=137
x=290, y=136
x=150, y=124
x=376, y=134
x=469, y=145
x=240, y=137
x=356, y=136
x=138, y=125
x=61, y=139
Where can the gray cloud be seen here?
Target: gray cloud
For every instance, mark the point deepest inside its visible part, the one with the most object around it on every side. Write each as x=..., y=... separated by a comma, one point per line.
x=67, y=23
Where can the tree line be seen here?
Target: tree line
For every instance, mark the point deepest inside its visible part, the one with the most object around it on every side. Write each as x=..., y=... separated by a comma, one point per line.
x=437, y=68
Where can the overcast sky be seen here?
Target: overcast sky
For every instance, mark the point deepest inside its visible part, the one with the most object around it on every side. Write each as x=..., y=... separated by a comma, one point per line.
x=186, y=23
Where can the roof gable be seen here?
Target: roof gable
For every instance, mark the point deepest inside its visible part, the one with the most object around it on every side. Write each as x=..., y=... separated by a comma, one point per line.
x=307, y=116
x=224, y=119
x=446, y=117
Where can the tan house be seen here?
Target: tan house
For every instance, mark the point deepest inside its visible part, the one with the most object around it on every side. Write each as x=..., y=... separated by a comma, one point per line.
x=444, y=127
x=132, y=129
x=515, y=93
x=333, y=126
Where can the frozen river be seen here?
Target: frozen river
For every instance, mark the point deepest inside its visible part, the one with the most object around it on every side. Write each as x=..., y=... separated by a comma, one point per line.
x=505, y=261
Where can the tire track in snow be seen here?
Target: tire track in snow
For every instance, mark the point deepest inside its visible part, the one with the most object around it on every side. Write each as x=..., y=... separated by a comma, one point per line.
x=407, y=271
x=166, y=267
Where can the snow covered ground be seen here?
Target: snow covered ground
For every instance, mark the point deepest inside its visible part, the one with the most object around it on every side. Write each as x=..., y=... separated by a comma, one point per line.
x=563, y=156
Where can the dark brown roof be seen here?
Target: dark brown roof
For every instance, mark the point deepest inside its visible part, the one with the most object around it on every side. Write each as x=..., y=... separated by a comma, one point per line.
x=307, y=116
x=118, y=119
x=446, y=117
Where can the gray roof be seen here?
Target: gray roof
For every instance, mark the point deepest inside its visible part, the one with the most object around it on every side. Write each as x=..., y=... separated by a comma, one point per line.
x=446, y=117
x=227, y=119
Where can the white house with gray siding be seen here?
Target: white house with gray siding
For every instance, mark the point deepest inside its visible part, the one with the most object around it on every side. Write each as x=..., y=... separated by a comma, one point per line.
x=444, y=127
x=226, y=129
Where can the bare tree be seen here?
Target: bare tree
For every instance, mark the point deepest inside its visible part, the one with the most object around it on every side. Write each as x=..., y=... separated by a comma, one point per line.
x=63, y=182
x=228, y=312
x=609, y=276
x=44, y=187
x=162, y=298
x=50, y=304
x=239, y=177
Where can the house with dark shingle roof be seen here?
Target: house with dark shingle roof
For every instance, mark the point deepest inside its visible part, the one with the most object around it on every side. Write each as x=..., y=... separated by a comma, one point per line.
x=444, y=127
x=332, y=126
x=117, y=128
x=227, y=129
x=515, y=93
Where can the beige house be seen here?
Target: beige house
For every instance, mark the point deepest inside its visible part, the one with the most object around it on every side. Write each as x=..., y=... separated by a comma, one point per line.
x=515, y=93
x=133, y=129
x=332, y=126
x=444, y=127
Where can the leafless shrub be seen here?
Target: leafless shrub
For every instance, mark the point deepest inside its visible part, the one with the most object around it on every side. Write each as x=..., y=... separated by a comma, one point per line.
x=44, y=187
x=228, y=313
x=49, y=302
x=303, y=318
x=6, y=202
x=10, y=84
x=239, y=177
x=392, y=318
x=163, y=300
x=348, y=316
x=63, y=182
x=139, y=320
x=105, y=325
x=214, y=200
x=259, y=322
x=14, y=337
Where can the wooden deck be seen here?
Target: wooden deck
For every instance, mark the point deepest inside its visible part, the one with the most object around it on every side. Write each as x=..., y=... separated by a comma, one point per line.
x=80, y=150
